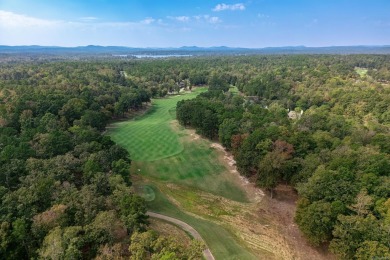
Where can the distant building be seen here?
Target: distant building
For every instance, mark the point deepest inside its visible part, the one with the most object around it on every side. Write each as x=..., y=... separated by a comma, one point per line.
x=295, y=115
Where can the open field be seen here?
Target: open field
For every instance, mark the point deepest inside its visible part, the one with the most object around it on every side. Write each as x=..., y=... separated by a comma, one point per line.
x=361, y=71
x=192, y=179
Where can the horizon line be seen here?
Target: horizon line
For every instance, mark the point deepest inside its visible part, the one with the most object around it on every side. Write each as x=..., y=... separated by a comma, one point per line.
x=195, y=46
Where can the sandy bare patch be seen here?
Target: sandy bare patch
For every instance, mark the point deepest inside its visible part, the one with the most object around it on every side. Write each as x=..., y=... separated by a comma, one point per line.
x=269, y=223
x=194, y=136
x=254, y=194
x=265, y=226
x=282, y=208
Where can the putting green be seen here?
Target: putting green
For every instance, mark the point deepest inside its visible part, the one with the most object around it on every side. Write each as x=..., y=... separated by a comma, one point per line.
x=146, y=192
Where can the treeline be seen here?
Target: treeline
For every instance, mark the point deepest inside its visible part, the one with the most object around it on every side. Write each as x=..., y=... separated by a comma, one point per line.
x=64, y=186
x=314, y=123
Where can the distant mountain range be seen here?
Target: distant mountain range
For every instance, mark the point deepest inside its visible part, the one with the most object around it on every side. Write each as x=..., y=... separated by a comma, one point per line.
x=192, y=50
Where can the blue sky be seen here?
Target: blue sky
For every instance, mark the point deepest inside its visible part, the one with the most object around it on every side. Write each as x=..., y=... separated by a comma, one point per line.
x=174, y=23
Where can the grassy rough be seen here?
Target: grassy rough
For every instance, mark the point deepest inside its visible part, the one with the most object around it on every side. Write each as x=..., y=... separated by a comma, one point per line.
x=163, y=152
x=222, y=243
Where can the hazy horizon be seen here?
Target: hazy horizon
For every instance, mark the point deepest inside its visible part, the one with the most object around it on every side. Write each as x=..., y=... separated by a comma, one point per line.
x=193, y=46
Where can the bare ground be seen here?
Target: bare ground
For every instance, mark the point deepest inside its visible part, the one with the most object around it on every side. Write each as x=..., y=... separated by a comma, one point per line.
x=265, y=226
x=281, y=234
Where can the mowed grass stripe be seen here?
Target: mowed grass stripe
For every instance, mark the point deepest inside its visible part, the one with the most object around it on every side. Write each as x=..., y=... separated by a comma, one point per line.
x=150, y=137
x=165, y=153
x=147, y=142
x=158, y=152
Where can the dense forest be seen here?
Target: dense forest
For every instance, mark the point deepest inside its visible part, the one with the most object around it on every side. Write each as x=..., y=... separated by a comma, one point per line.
x=320, y=123
x=65, y=187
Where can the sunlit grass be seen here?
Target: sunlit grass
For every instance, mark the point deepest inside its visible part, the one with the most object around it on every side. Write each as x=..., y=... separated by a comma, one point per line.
x=361, y=71
x=164, y=153
x=150, y=137
x=223, y=244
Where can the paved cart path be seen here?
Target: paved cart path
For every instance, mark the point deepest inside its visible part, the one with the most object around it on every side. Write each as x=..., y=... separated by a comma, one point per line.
x=206, y=253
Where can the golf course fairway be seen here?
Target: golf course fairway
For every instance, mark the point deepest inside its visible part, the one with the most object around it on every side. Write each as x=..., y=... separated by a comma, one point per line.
x=179, y=173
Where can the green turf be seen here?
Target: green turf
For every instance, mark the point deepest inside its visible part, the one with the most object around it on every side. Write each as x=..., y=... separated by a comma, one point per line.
x=234, y=90
x=361, y=71
x=165, y=153
x=222, y=243
x=146, y=192
x=157, y=152
x=150, y=137
x=196, y=166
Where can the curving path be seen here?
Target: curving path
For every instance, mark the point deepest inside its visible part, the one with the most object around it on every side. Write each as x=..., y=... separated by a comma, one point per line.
x=206, y=253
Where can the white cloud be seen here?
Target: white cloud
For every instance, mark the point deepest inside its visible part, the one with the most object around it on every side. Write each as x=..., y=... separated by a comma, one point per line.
x=10, y=19
x=214, y=19
x=198, y=17
x=20, y=29
x=183, y=19
x=88, y=19
x=233, y=7
x=148, y=20
x=208, y=19
x=160, y=22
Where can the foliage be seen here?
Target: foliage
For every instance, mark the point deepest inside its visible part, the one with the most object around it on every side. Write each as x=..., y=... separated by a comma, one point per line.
x=307, y=120
x=315, y=123
x=150, y=245
x=57, y=200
